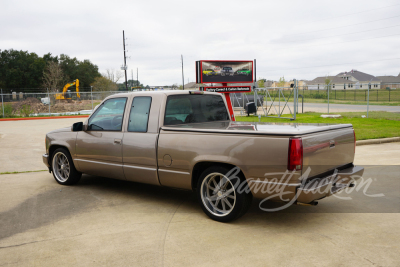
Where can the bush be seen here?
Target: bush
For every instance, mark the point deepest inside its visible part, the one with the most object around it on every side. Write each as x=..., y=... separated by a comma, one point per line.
x=9, y=111
x=25, y=110
x=318, y=96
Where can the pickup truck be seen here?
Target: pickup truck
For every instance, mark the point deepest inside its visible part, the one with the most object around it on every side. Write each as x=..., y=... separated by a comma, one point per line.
x=186, y=140
x=227, y=71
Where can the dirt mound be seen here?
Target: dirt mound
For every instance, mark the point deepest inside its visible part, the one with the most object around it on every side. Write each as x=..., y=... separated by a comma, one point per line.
x=59, y=106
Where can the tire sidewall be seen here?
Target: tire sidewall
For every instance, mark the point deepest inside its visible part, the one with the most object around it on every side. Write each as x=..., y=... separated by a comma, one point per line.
x=71, y=179
x=240, y=196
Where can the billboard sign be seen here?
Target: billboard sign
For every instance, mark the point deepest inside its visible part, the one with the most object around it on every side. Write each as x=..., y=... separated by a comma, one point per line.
x=226, y=89
x=224, y=71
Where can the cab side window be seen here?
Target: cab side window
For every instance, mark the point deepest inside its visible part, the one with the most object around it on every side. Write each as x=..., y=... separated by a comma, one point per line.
x=139, y=116
x=109, y=116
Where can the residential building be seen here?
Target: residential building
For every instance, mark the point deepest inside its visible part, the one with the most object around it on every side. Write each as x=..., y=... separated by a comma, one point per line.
x=361, y=79
x=337, y=83
x=392, y=82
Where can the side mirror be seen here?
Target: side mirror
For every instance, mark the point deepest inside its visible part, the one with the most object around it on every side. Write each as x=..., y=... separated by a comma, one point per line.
x=77, y=127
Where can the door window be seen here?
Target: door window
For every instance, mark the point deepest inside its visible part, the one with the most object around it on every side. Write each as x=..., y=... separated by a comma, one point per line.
x=139, y=116
x=109, y=116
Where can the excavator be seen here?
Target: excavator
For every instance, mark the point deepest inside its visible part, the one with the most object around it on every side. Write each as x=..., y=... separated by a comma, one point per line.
x=66, y=94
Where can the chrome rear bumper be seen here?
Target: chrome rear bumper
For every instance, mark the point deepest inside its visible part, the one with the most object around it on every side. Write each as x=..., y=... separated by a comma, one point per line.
x=319, y=188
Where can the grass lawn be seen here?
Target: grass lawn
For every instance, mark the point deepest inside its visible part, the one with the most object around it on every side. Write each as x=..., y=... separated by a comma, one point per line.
x=380, y=124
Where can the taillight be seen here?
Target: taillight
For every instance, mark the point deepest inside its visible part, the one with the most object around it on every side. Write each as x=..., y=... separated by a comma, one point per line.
x=354, y=132
x=295, y=156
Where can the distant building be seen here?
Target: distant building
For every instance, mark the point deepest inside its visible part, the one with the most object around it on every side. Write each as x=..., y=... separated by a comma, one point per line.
x=392, y=82
x=288, y=84
x=361, y=79
x=337, y=83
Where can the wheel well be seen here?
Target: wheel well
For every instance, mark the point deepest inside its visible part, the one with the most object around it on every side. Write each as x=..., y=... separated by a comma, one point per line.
x=53, y=148
x=201, y=166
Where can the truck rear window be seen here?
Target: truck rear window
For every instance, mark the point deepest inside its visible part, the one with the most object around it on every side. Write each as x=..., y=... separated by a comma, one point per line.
x=182, y=109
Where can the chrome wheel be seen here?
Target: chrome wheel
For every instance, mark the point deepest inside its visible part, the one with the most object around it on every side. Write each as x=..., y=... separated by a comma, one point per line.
x=218, y=194
x=61, y=167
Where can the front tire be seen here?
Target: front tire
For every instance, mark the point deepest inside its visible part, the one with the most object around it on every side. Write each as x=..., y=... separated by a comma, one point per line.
x=63, y=168
x=223, y=198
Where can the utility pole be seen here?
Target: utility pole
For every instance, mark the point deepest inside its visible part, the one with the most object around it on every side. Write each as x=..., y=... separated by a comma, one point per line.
x=183, y=79
x=131, y=78
x=126, y=81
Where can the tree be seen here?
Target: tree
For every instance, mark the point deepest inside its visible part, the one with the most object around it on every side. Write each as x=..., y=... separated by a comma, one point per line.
x=20, y=69
x=113, y=75
x=104, y=84
x=261, y=83
x=327, y=81
x=74, y=69
x=53, y=76
x=282, y=81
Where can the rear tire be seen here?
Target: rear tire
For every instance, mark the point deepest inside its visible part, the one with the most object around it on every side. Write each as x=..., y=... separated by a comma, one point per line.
x=63, y=168
x=223, y=198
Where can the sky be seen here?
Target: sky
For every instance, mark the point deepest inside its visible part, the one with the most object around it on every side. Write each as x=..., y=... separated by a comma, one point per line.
x=295, y=39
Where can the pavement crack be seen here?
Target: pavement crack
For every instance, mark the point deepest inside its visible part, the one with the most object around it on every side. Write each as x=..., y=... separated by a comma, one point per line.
x=37, y=241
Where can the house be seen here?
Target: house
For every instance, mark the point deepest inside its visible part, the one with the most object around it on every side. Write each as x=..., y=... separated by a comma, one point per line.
x=288, y=84
x=361, y=79
x=391, y=82
x=337, y=83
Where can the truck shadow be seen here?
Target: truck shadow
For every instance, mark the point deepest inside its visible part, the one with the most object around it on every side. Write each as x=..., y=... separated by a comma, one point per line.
x=62, y=202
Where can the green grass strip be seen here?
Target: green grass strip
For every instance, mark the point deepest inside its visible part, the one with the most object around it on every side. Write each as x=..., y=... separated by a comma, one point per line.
x=22, y=172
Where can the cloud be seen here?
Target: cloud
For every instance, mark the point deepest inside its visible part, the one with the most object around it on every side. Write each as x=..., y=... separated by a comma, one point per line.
x=291, y=38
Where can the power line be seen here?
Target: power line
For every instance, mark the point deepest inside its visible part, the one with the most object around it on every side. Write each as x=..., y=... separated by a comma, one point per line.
x=349, y=14
x=345, y=26
x=333, y=64
x=356, y=40
x=349, y=33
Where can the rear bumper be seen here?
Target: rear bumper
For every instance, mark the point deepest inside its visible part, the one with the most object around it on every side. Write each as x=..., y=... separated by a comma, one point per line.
x=318, y=188
x=305, y=191
x=46, y=160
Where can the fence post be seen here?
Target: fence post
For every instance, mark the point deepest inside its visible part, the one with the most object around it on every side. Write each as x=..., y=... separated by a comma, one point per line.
x=2, y=103
x=48, y=95
x=369, y=85
x=365, y=95
x=91, y=96
x=295, y=98
x=377, y=97
x=389, y=95
x=329, y=85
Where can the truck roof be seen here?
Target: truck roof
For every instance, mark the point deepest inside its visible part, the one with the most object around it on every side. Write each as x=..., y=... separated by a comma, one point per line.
x=163, y=92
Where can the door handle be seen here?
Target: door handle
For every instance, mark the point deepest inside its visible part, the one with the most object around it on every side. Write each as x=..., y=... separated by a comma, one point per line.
x=117, y=141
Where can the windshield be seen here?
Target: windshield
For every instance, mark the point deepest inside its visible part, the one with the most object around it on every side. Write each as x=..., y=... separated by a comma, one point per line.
x=194, y=108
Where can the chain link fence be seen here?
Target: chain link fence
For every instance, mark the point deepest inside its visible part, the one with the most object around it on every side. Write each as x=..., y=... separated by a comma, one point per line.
x=24, y=103
x=387, y=94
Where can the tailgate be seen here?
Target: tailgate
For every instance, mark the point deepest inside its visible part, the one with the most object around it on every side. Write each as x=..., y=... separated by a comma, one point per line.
x=325, y=151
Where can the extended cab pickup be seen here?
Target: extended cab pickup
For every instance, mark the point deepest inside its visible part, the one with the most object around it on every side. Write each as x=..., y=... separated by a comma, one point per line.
x=186, y=140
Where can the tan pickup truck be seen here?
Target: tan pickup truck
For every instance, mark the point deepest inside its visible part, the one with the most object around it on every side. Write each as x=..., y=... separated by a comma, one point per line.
x=186, y=140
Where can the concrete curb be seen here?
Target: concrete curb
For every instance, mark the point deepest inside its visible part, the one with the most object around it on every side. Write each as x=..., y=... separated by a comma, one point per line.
x=377, y=141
